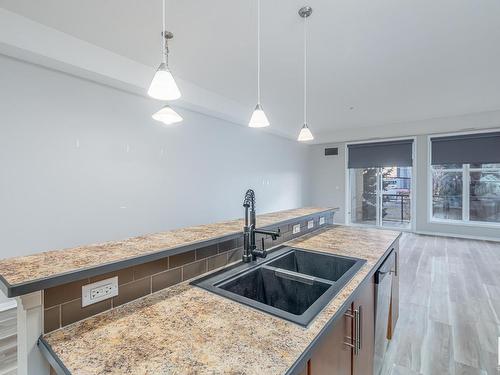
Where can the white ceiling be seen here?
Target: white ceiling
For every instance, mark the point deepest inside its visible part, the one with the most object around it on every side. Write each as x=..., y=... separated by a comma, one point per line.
x=371, y=63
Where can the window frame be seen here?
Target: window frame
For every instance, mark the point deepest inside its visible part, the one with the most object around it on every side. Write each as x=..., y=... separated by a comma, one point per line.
x=414, y=178
x=466, y=169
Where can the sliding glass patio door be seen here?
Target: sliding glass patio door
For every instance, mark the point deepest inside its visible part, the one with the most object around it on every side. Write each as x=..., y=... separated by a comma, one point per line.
x=364, y=195
x=380, y=195
x=395, y=197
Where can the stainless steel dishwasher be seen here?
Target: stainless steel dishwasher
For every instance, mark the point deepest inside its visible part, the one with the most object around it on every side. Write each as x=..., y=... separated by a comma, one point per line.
x=383, y=286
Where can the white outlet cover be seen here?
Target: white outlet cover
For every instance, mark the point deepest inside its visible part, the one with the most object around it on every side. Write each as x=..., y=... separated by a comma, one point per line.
x=99, y=291
x=321, y=220
x=310, y=224
x=296, y=229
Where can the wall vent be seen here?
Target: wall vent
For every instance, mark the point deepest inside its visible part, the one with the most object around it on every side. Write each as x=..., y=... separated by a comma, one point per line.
x=331, y=151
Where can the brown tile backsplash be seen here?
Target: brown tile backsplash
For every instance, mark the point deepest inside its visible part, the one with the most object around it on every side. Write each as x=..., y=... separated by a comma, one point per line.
x=284, y=228
x=217, y=261
x=51, y=319
x=194, y=269
x=63, y=293
x=181, y=259
x=63, y=303
x=150, y=268
x=235, y=255
x=228, y=245
x=133, y=290
x=73, y=311
x=125, y=276
x=206, y=251
x=167, y=278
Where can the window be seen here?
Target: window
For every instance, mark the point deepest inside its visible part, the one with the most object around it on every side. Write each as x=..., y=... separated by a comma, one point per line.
x=465, y=172
x=380, y=179
x=466, y=193
x=447, y=192
x=484, y=193
x=381, y=196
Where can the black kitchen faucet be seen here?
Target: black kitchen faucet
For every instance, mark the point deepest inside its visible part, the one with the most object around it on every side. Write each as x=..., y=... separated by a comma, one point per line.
x=250, y=251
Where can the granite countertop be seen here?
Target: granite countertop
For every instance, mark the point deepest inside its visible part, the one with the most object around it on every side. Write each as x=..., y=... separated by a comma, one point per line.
x=187, y=330
x=26, y=269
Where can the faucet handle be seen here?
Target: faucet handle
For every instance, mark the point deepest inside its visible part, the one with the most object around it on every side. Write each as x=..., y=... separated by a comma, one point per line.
x=276, y=234
x=259, y=253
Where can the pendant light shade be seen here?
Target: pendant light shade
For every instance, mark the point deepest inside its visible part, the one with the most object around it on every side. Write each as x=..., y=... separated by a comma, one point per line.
x=259, y=118
x=305, y=134
x=163, y=86
x=167, y=115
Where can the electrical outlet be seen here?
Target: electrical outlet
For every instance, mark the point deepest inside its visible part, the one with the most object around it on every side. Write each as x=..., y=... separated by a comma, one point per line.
x=321, y=220
x=99, y=291
x=296, y=229
x=310, y=224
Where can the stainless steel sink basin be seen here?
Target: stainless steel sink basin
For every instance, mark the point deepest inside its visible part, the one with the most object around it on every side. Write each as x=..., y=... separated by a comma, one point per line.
x=291, y=283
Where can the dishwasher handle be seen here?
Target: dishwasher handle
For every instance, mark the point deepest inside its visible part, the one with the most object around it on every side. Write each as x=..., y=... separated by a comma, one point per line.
x=387, y=268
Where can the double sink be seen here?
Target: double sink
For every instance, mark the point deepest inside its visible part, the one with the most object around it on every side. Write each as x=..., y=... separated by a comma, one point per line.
x=293, y=284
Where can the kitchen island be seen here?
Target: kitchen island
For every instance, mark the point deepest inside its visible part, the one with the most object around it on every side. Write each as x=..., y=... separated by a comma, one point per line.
x=187, y=330
x=49, y=287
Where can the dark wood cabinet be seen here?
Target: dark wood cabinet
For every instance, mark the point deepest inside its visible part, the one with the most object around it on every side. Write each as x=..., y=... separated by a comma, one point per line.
x=338, y=353
x=349, y=347
x=364, y=304
x=333, y=356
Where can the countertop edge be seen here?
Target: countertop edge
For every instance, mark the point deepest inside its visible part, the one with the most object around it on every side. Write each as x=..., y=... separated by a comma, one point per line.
x=51, y=357
x=15, y=290
x=302, y=360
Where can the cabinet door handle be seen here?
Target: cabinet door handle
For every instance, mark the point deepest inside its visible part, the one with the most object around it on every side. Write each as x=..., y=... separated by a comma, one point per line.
x=357, y=327
x=349, y=314
x=356, y=334
x=349, y=344
x=350, y=339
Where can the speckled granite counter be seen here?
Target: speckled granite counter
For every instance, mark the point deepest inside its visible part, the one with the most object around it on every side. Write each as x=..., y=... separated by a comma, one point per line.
x=187, y=330
x=16, y=273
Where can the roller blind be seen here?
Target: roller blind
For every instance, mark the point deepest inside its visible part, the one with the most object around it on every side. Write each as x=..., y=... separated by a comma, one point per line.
x=466, y=149
x=381, y=154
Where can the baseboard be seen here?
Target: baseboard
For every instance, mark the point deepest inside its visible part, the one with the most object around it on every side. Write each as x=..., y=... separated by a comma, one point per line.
x=453, y=235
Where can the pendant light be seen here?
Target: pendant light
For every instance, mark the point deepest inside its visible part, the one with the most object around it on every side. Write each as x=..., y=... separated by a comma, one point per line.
x=259, y=118
x=305, y=133
x=167, y=115
x=163, y=86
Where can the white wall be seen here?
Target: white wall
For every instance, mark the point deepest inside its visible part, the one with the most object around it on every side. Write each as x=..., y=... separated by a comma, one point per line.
x=83, y=163
x=327, y=179
x=328, y=187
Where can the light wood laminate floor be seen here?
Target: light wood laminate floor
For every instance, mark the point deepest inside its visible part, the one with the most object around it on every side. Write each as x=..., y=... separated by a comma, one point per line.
x=449, y=319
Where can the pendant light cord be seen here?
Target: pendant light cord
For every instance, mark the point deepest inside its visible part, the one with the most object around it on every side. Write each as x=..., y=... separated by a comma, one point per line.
x=305, y=70
x=258, y=51
x=164, y=46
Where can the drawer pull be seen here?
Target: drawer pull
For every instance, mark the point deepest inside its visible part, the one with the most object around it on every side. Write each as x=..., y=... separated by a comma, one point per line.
x=356, y=339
